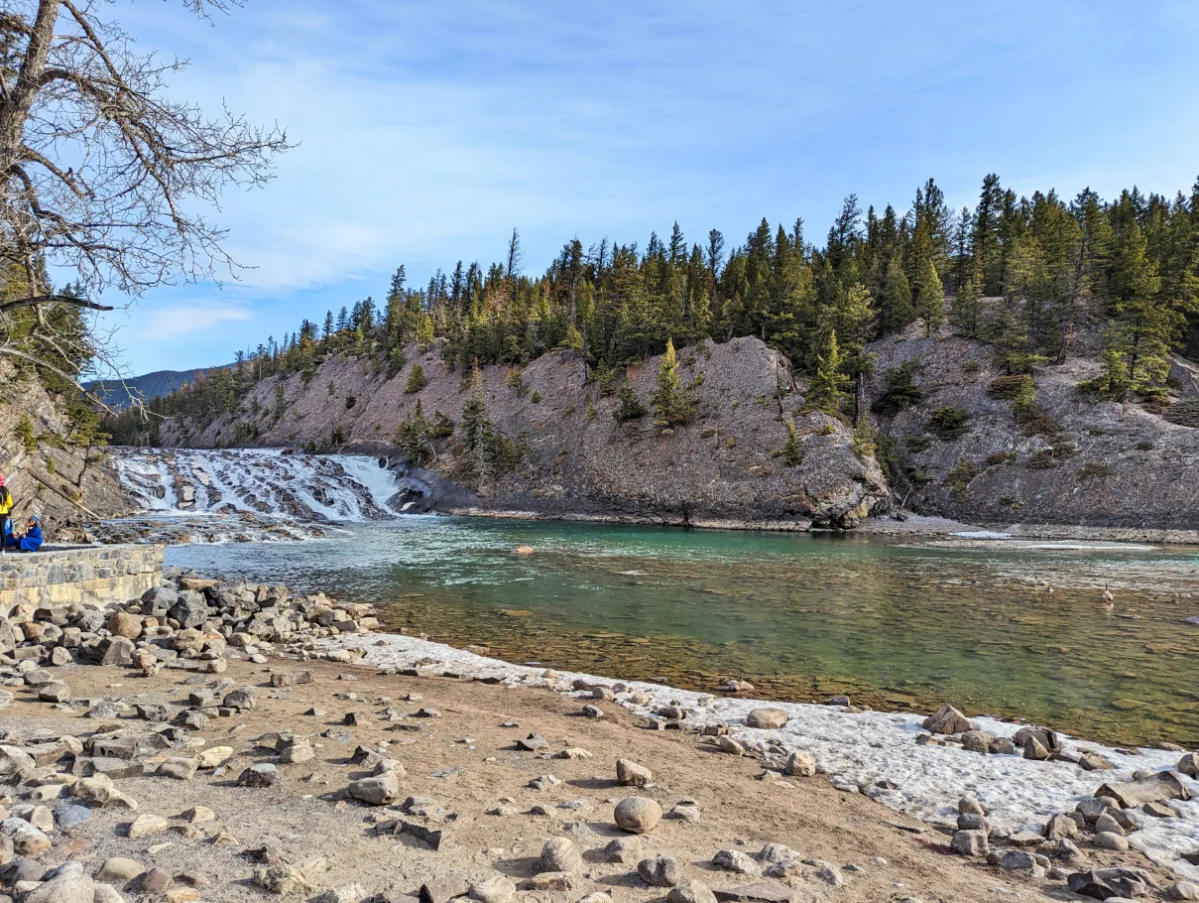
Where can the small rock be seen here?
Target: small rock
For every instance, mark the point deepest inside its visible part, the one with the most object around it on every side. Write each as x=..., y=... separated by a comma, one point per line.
x=494, y=890
x=1106, y=840
x=145, y=825
x=155, y=881
x=533, y=743
x=264, y=774
x=734, y=861
x=968, y=805
x=947, y=720
x=560, y=855
x=1189, y=765
x=1106, y=823
x=179, y=768
x=630, y=774
x=800, y=765
x=1184, y=890
x=660, y=871
x=624, y=850
x=766, y=719
x=638, y=814
x=970, y=843
x=382, y=790
x=214, y=756
x=347, y=893
x=691, y=892
x=776, y=852
x=731, y=746
x=118, y=870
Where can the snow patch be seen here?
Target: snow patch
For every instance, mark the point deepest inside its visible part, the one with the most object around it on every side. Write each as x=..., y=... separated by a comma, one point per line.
x=864, y=748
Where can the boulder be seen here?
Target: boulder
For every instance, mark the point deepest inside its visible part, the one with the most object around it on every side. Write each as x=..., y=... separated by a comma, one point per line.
x=190, y=610
x=947, y=720
x=1120, y=882
x=1156, y=788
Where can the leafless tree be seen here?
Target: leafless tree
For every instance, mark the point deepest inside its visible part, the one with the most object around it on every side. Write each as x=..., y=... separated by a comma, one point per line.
x=102, y=174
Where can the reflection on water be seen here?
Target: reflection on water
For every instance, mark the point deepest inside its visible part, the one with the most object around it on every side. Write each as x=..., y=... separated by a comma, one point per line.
x=992, y=627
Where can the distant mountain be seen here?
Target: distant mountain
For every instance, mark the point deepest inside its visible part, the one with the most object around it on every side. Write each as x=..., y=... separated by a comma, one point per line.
x=151, y=385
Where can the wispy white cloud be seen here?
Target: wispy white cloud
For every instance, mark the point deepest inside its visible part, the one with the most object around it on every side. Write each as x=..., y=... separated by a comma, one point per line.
x=173, y=321
x=428, y=130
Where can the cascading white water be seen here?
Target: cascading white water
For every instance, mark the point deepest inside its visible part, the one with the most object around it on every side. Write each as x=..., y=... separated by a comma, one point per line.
x=268, y=483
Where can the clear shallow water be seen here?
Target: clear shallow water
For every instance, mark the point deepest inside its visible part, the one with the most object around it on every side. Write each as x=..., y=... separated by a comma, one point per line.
x=896, y=624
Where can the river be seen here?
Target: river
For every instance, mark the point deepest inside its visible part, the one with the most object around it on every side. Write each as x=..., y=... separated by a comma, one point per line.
x=1012, y=629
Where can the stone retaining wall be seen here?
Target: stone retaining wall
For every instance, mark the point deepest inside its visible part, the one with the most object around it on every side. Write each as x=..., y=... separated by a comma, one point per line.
x=93, y=575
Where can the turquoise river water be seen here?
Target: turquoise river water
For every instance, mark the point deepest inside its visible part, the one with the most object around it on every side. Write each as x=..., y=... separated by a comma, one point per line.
x=998, y=627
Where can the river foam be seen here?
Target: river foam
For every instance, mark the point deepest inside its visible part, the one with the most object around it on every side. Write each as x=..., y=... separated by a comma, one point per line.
x=860, y=749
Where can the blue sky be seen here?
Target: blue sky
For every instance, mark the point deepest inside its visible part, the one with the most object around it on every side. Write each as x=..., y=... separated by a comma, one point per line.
x=429, y=130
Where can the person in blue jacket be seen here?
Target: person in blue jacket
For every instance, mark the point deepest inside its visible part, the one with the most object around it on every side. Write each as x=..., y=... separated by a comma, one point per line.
x=29, y=541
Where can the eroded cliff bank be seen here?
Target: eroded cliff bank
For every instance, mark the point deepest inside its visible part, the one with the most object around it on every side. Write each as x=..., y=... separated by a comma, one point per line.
x=577, y=458
x=964, y=449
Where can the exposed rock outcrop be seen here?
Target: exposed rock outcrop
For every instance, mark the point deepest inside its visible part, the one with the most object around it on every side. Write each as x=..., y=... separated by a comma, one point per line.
x=725, y=466
x=1083, y=461
x=66, y=483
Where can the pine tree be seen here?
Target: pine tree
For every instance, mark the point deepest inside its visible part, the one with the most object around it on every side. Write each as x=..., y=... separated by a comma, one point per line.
x=898, y=311
x=416, y=379
x=629, y=406
x=966, y=307
x=930, y=298
x=792, y=450
x=673, y=405
x=573, y=340
x=478, y=435
x=826, y=389
x=1112, y=383
x=413, y=438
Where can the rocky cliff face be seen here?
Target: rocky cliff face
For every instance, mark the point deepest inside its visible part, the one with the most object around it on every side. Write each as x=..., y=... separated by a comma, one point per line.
x=66, y=484
x=724, y=467
x=1078, y=461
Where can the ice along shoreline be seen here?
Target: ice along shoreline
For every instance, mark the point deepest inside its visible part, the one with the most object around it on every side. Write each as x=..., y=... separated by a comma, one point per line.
x=869, y=752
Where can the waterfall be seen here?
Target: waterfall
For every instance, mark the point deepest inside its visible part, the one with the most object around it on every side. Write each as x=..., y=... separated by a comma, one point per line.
x=268, y=483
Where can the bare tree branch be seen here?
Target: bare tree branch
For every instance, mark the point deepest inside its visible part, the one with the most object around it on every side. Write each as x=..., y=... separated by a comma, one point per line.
x=102, y=173
x=46, y=299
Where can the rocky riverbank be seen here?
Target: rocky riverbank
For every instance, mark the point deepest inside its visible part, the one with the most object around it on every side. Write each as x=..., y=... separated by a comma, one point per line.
x=216, y=740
